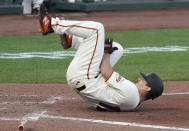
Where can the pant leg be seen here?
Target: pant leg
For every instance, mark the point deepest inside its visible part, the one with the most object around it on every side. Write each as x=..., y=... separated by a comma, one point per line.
x=76, y=41
x=37, y=3
x=83, y=29
x=27, y=6
x=86, y=63
x=116, y=55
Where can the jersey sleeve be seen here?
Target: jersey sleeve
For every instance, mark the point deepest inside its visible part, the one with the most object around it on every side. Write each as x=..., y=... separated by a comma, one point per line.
x=115, y=80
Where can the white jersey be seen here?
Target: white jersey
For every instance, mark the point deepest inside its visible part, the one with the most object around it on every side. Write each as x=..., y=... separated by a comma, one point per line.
x=128, y=92
x=83, y=74
x=27, y=5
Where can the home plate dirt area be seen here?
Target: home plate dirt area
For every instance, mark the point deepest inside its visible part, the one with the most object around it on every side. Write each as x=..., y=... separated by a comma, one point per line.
x=50, y=107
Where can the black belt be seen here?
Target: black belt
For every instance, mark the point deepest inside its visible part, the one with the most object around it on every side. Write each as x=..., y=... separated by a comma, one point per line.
x=81, y=88
x=97, y=75
x=107, y=107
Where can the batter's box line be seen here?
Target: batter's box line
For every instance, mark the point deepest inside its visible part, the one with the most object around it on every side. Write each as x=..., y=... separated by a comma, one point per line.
x=72, y=98
x=43, y=114
x=31, y=117
x=114, y=123
x=54, y=99
x=28, y=117
x=3, y=95
x=7, y=95
x=176, y=93
x=50, y=100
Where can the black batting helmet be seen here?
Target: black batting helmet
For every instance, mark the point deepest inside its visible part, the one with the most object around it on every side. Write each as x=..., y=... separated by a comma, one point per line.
x=156, y=84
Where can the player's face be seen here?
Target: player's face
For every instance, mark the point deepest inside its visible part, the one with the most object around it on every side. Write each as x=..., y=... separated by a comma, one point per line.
x=143, y=84
x=142, y=81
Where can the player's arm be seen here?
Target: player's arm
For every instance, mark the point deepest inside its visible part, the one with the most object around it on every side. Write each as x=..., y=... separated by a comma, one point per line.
x=106, y=68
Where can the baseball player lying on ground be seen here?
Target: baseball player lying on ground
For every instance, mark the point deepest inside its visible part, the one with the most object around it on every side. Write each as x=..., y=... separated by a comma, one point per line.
x=90, y=73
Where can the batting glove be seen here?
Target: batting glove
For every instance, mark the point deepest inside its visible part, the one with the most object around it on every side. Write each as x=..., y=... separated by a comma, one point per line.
x=108, y=49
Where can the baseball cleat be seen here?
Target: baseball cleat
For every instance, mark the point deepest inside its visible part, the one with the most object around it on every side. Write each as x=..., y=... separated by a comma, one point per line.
x=66, y=40
x=45, y=21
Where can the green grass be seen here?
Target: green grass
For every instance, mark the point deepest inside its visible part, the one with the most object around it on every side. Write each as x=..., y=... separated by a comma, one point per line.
x=33, y=70
x=169, y=65
x=161, y=37
x=35, y=43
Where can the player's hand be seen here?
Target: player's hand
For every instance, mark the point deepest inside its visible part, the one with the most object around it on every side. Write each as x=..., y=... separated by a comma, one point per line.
x=108, y=49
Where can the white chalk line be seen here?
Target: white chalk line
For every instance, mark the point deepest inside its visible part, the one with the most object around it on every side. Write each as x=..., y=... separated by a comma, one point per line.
x=31, y=117
x=35, y=116
x=66, y=54
x=70, y=98
x=176, y=93
x=53, y=99
x=4, y=95
x=43, y=114
x=9, y=119
x=50, y=100
x=114, y=122
x=28, y=117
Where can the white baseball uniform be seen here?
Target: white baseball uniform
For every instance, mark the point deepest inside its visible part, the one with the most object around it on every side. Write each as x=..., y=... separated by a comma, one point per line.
x=37, y=3
x=27, y=4
x=83, y=74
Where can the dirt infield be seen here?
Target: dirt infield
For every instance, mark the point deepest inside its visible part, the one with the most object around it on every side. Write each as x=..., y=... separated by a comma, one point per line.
x=49, y=107
x=113, y=21
x=58, y=107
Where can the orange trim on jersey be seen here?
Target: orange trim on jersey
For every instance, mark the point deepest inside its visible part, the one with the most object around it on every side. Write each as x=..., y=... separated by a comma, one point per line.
x=73, y=26
x=95, y=44
x=109, y=76
x=92, y=56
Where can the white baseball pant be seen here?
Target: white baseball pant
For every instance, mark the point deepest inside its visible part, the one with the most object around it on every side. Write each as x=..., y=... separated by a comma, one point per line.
x=27, y=4
x=84, y=70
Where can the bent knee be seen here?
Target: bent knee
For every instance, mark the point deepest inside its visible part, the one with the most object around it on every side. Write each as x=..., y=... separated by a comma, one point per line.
x=120, y=48
x=99, y=26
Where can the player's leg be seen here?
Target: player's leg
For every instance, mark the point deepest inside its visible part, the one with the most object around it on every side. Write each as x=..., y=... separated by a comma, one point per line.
x=90, y=52
x=83, y=29
x=87, y=60
x=27, y=6
x=37, y=3
x=36, y=6
x=68, y=41
x=76, y=41
x=116, y=55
